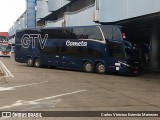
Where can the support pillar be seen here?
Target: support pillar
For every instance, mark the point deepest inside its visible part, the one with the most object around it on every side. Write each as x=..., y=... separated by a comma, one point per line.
x=155, y=47
x=31, y=13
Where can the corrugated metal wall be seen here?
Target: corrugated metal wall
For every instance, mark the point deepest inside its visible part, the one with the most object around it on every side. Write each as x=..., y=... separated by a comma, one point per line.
x=54, y=5
x=57, y=23
x=115, y=10
x=42, y=9
x=107, y=11
x=31, y=14
x=81, y=18
x=79, y=4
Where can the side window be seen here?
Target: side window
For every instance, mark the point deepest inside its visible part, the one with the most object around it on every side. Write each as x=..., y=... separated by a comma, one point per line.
x=112, y=33
x=116, y=34
x=63, y=33
x=94, y=33
x=79, y=33
x=51, y=50
x=73, y=51
x=63, y=49
x=52, y=33
x=108, y=33
x=58, y=33
x=88, y=33
x=116, y=50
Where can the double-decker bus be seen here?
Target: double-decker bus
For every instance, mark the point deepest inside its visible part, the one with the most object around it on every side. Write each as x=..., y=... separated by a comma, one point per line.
x=5, y=47
x=90, y=48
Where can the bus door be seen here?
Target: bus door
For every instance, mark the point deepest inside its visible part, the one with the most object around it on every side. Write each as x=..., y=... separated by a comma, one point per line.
x=67, y=55
x=57, y=56
x=58, y=60
x=51, y=53
x=71, y=57
x=116, y=53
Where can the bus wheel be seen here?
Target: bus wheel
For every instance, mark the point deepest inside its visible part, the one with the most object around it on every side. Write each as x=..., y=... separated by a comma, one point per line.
x=100, y=68
x=87, y=67
x=37, y=63
x=30, y=62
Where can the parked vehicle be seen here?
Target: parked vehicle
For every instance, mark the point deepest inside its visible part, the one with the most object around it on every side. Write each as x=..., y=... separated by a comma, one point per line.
x=5, y=49
x=90, y=48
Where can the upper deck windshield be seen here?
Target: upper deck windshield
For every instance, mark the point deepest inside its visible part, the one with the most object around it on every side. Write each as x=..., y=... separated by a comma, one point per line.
x=112, y=33
x=3, y=39
x=114, y=42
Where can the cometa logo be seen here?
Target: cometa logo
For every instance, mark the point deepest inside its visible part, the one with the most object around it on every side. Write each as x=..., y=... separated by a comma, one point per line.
x=69, y=43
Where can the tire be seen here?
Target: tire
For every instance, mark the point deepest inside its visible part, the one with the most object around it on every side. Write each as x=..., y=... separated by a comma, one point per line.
x=100, y=68
x=37, y=63
x=87, y=67
x=30, y=62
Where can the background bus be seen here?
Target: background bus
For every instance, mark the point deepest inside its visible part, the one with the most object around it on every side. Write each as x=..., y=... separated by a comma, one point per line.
x=90, y=48
x=5, y=47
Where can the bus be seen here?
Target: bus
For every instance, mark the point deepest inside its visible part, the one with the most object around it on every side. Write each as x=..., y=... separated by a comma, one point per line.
x=5, y=47
x=99, y=48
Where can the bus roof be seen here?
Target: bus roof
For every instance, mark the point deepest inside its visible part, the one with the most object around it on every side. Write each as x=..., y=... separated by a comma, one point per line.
x=43, y=28
x=4, y=34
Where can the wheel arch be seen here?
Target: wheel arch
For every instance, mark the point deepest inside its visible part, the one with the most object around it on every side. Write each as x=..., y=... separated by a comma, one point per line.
x=87, y=60
x=28, y=56
x=98, y=61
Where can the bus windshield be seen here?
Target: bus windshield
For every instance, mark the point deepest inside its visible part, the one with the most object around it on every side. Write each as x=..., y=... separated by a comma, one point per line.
x=112, y=33
x=114, y=42
x=3, y=39
x=5, y=48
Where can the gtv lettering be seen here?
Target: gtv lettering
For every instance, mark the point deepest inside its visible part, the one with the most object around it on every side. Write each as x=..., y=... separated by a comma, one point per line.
x=30, y=39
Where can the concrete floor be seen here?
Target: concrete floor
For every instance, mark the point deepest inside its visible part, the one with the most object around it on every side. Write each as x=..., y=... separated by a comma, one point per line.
x=66, y=90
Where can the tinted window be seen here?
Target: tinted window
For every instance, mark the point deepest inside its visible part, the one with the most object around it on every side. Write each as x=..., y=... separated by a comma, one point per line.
x=59, y=33
x=70, y=33
x=20, y=34
x=116, y=34
x=72, y=51
x=108, y=32
x=88, y=33
x=111, y=33
x=116, y=50
x=51, y=48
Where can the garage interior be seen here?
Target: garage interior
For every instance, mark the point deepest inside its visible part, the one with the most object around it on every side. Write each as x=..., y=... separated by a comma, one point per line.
x=145, y=32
